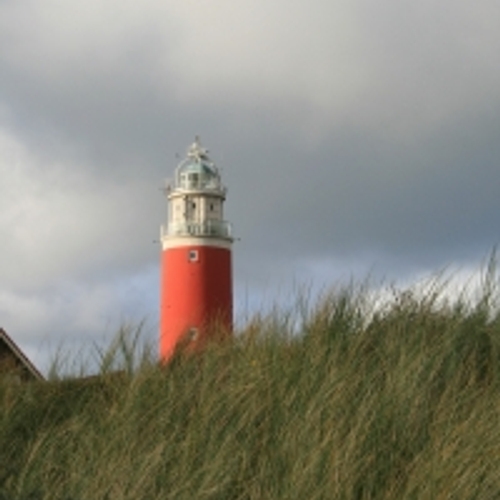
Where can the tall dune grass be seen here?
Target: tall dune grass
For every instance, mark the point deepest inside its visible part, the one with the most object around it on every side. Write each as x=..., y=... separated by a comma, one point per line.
x=390, y=402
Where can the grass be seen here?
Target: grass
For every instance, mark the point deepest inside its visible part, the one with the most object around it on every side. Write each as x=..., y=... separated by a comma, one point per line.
x=395, y=401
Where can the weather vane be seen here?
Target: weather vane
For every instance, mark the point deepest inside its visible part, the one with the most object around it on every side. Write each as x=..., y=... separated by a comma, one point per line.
x=197, y=152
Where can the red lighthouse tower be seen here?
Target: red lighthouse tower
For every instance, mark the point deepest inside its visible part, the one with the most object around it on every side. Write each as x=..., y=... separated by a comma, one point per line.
x=196, y=280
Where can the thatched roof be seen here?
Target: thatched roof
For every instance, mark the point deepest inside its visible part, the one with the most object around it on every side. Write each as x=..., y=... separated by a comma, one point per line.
x=13, y=362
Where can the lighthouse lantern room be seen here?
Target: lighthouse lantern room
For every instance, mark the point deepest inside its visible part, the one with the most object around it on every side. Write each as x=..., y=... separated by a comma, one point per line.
x=196, y=274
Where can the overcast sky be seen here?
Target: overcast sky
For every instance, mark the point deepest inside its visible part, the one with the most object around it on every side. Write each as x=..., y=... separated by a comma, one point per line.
x=354, y=136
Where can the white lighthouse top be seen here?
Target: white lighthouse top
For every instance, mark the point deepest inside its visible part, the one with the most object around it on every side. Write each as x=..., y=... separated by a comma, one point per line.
x=197, y=172
x=196, y=203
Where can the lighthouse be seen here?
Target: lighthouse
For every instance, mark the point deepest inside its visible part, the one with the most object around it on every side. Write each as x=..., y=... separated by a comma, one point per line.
x=196, y=270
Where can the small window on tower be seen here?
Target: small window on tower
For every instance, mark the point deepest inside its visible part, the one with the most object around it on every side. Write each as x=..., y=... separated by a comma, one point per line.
x=192, y=334
x=193, y=205
x=211, y=207
x=193, y=255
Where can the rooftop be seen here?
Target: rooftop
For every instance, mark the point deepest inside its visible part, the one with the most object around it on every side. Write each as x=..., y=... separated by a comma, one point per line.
x=14, y=363
x=197, y=171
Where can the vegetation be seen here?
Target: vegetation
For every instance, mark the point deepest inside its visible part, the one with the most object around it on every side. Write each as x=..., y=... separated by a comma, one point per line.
x=352, y=398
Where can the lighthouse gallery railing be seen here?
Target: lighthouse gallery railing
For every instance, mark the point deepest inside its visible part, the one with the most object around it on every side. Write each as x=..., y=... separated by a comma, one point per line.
x=215, y=228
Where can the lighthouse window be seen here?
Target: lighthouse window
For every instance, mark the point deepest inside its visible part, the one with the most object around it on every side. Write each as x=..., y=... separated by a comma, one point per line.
x=193, y=333
x=193, y=255
x=193, y=180
x=183, y=182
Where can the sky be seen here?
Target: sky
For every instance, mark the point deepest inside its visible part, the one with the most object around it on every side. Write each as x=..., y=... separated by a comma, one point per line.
x=355, y=137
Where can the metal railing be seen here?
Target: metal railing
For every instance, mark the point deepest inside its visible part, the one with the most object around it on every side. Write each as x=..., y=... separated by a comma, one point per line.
x=216, y=228
x=200, y=185
x=171, y=185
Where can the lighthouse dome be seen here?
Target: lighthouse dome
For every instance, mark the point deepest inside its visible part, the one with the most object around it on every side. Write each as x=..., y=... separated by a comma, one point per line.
x=197, y=171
